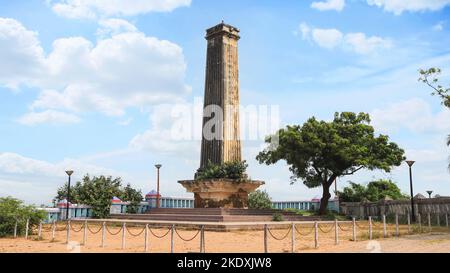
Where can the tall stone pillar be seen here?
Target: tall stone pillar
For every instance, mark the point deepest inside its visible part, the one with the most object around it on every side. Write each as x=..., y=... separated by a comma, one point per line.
x=221, y=140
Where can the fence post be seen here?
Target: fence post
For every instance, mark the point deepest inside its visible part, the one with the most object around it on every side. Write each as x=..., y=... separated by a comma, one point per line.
x=103, y=234
x=265, y=239
x=40, y=230
x=409, y=222
x=85, y=233
x=384, y=226
x=336, y=232
x=354, y=229
x=397, y=231
x=316, y=235
x=370, y=227
x=123, y=234
x=53, y=230
x=15, y=229
x=68, y=232
x=446, y=220
x=293, y=238
x=146, y=238
x=438, y=219
x=429, y=221
x=420, y=222
x=171, y=238
x=27, y=225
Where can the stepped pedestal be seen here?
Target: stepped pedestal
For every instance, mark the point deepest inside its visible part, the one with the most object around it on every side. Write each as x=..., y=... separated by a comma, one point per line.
x=221, y=193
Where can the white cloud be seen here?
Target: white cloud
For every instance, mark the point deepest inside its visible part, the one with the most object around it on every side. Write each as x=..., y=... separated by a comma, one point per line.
x=355, y=42
x=125, y=69
x=439, y=26
x=48, y=117
x=337, y=5
x=399, y=6
x=413, y=114
x=90, y=9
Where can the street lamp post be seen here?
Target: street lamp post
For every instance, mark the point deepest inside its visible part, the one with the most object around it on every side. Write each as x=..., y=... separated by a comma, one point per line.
x=429, y=194
x=158, y=166
x=69, y=173
x=410, y=164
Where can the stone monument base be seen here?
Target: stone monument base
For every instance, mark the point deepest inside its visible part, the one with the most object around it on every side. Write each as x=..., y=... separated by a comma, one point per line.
x=221, y=193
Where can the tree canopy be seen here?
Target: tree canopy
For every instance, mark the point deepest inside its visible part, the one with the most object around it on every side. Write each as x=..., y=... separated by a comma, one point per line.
x=259, y=200
x=318, y=152
x=97, y=192
x=374, y=191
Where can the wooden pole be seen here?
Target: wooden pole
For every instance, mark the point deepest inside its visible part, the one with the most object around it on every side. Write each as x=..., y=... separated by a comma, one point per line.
x=409, y=223
x=384, y=226
x=68, y=232
x=446, y=220
x=26, y=228
x=438, y=219
x=397, y=230
x=265, y=239
x=123, y=235
x=370, y=227
x=293, y=238
x=40, y=230
x=336, y=232
x=53, y=231
x=146, y=238
x=15, y=229
x=85, y=232
x=316, y=235
x=171, y=238
x=420, y=222
x=354, y=229
x=103, y=234
x=429, y=221
x=202, y=230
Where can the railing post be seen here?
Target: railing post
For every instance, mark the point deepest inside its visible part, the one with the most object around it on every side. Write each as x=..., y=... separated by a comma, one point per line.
x=103, y=234
x=438, y=219
x=384, y=226
x=293, y=238
x=123, y=234
x=40, y=230
x=370, y=227
x=27, y=225
x=429, y=221
x=85, y=232
x=316, y=235
x=336, y=232
x=446, y=220
x=397, y=230
x=68, y=232
x=146, y=238
x=171, y=238
x=354, y=229
x=202, y=239
x=15, y=229
x=265, y=239
x=53, y=231
x=419, y=218
x=409, y=222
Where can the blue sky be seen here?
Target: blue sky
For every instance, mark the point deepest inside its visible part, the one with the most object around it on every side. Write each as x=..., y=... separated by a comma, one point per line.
x=87, y=85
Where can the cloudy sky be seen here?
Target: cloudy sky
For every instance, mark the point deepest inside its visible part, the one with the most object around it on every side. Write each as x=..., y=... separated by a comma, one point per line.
x=89, y=85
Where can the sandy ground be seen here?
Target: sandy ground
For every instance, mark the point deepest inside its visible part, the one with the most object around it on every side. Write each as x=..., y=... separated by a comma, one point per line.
x=235, y=241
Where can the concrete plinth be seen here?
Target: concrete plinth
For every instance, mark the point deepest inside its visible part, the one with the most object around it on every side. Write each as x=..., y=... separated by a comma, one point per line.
x=221, y=193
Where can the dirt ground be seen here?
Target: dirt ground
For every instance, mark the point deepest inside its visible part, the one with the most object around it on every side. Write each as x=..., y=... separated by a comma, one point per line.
x=228, y=242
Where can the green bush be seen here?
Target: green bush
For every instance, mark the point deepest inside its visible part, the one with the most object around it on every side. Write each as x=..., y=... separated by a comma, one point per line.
x=259, y=200
x=12, y=210
x=230, y=170
x=277, y=217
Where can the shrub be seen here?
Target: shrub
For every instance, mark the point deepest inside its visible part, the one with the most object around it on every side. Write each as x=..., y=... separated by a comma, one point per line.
x=12, y=210
x=277, y=217
x=259, y=200
x=230, y=170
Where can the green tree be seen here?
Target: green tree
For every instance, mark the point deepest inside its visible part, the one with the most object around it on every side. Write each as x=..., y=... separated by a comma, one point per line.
x=12, y=210
x=133, y=196
x=318, y=152
x=374, y=191
x=259, y=200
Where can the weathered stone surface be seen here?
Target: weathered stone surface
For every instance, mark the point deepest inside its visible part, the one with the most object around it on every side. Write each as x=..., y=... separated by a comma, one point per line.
x=221, y=193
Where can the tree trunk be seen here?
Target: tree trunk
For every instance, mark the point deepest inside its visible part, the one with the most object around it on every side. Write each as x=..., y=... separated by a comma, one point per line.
x=325, y=197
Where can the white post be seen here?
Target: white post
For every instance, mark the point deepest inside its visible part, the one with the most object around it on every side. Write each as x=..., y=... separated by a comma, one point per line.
x=40, y=230
x=354, y=229
x=171, y=238
x=370, y=227
x=53, y=230
x=316, y=235
x=397, y=229
x=68, y=232
x=123, y=235
x=429, y=221
x=384, y=226
x=293, y=238
x=15, y=230
x=202, y=239
x=409, y=222
x=26, y=228
x=103, y=234
x=265, y=239
x=146, y=238
x=336, y=232
x=85, y=233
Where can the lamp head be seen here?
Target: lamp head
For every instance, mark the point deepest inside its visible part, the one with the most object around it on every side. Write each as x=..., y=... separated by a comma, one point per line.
x=410, y=162
x=429, y=192
x=158, y=166
x=69, y=173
